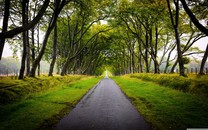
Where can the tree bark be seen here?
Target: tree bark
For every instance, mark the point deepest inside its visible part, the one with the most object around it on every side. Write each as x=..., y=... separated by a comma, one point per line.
x=25, y=36
x=27, y=41
x=140, y=55
x=33, y=44
x=201, y=71
x=38, y=48
x=133, y=61
x=173, y=67
x=54, y=51
x=180, y=56
x=168, y=59
x=156, y=64
x=146, y=54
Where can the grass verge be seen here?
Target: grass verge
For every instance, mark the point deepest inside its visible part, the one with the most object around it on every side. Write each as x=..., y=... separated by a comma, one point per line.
x=165, y=108
x=193, y=83
x=42, y=110
x=12, y=90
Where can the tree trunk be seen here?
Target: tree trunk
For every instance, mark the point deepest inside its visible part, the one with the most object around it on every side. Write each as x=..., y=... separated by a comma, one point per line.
x=130, y=62
x=175, y=25
x=65, y=66
x=48, y=32
x=173, y=67
x=146, y=54
x=27, y=42
x=156, y=64
x=133, y=62
x=38, y=48
x=140, y=64
x=5, y=25
x=24, y=51
x=54, y=51
x=38, y=59
x=180, y=56
x=33, y=44
x=156, y=67
x=201, y=71
x=28, y=58
x=168, y=59
x=140, y=55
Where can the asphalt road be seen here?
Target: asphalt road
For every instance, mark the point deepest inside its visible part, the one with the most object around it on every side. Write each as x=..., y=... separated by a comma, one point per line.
x=105, y=107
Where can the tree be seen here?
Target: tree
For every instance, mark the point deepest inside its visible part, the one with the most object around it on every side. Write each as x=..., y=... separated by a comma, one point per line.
x=194, y=19
x=201, y=27
x=25, y=37
x=4, y=25
x=55, y=37
x=81, y=22
x=11, y=33
x=175, y=24
x=201, y=71
x=54, y=52
x=59, y=6
x=142, y=20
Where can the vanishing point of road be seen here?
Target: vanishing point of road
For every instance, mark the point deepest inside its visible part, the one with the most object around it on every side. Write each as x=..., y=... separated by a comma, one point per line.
x=104, y=107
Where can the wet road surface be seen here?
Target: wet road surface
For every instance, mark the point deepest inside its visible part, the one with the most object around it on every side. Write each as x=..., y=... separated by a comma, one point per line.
x=105, y=107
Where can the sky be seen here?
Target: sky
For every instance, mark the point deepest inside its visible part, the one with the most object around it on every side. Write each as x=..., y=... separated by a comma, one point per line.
x=202, y=43
x=7, y=52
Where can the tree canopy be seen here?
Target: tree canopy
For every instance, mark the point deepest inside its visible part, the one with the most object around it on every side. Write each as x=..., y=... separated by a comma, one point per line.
x=89, y=36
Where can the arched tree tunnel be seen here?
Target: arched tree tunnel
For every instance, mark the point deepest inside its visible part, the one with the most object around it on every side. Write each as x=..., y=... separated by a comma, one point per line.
x=90, y=36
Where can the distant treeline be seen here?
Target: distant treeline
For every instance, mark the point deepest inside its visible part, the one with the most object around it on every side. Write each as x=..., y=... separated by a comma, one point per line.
x=11, y=66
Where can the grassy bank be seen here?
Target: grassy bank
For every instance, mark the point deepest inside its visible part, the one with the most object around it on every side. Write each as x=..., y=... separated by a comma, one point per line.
x=12, y=89
x=193, y=83
x=42, y=110
x=163, y=107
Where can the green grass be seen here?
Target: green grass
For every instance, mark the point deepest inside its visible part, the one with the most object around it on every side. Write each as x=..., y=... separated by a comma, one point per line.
x=194, y=84
x=42, y=110
x=165, y=108
x=12, y=89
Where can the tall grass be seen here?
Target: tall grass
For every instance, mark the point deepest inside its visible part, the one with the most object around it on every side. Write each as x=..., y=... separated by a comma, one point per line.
x=163, y=107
